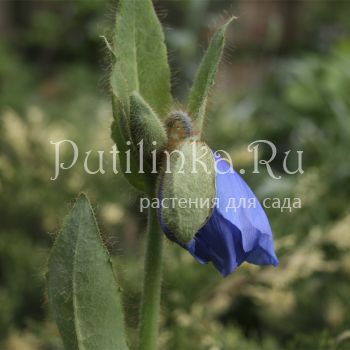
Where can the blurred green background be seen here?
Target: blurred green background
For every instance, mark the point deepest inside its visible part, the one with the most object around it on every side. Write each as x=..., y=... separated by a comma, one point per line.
x=285, y=78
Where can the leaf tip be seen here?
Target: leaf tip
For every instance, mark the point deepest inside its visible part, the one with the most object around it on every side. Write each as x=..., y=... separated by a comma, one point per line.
x=228, y=22
x=82, y=195
x=82, y=202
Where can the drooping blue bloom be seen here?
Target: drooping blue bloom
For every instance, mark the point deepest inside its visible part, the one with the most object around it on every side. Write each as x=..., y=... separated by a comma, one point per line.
x=232, y=235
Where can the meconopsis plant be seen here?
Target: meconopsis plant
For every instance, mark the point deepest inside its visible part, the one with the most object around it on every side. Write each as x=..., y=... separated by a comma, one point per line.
x=190, y=191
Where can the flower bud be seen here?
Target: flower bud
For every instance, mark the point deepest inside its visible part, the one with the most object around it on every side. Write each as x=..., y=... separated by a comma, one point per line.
x=120, y=132
x=186, y=190
x=135, y=122
x=178, y=127
x=145, y=126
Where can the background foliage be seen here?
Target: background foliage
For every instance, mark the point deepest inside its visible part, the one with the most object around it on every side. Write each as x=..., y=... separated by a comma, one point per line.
x=285, y=78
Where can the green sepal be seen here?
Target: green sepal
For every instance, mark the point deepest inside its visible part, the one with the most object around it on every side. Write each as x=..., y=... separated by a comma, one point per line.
x=195, y=184
x=145, y=126
x=204, y=80
x=83, y=292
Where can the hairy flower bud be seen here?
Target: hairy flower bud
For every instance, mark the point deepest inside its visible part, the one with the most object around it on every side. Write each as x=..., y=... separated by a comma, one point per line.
x=186, y=190
x=120, y=132
x=178, y=127
x=137, y=130
x=145, y=126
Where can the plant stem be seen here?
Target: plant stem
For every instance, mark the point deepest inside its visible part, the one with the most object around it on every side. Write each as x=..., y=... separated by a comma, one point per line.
x=150, y=308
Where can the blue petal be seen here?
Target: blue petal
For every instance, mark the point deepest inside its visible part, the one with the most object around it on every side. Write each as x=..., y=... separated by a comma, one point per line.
x=232, y=236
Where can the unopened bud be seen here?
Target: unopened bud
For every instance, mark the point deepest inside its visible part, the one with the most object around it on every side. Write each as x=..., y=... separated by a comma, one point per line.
x=186, y=188
x=145, y=126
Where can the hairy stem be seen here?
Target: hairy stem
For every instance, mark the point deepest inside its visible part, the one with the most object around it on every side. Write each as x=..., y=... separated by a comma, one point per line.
x=150, y=308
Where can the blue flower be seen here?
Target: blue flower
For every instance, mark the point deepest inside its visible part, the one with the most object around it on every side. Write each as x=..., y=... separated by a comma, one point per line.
x=232, y=235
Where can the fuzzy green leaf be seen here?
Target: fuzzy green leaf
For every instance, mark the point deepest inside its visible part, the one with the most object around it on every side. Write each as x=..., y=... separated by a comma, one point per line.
x=141, y=53
x=83, y=292
x=205, y=78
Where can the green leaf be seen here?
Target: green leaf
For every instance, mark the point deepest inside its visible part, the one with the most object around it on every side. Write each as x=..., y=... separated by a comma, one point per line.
x=82, y=288
x=139, y=64
x=205, y=78
x=141, y=53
